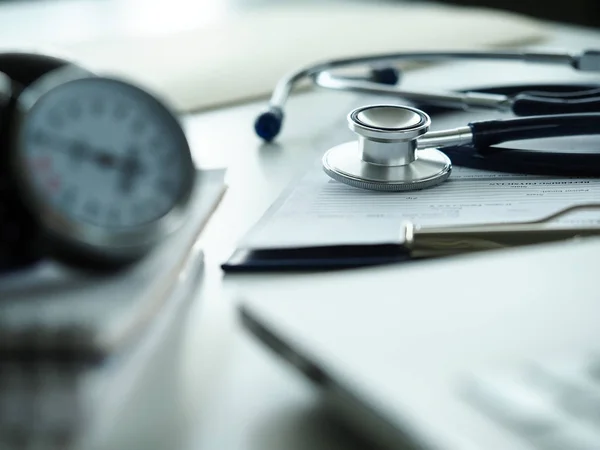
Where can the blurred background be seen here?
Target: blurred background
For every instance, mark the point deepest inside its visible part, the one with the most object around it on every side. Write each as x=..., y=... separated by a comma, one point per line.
x=85, y=16
x=580, y=12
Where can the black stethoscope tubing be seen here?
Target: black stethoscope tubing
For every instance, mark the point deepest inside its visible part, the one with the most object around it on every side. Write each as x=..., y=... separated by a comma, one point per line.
x=528, y=162
x=522, y=161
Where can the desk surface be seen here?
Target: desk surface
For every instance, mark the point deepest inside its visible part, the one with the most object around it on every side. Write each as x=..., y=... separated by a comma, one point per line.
x=248, y=400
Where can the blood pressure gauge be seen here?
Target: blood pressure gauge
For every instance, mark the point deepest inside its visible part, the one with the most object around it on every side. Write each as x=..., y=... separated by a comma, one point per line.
x=102, y=166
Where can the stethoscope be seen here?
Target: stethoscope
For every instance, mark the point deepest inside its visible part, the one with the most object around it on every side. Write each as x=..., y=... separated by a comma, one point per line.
x=395, y=151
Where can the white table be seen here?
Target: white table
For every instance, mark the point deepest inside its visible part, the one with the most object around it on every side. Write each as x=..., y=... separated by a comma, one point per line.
x=243, y=398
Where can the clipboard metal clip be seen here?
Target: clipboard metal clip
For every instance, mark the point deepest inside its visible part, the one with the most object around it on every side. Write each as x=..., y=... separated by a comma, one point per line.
x=436, y=241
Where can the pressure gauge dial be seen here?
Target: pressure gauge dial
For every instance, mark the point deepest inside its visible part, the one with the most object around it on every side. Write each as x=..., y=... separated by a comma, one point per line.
x=103, y=165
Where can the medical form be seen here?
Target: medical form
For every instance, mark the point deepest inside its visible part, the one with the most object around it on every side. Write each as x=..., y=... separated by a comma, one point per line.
x=318, y=211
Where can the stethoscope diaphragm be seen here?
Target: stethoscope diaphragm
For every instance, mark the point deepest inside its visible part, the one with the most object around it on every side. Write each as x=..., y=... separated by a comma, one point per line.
x=385, y=157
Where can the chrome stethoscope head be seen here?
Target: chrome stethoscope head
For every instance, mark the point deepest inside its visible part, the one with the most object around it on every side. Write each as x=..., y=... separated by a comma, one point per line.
x=386, y=156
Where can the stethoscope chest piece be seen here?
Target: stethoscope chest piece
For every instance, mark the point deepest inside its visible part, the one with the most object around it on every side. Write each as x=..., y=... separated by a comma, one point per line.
x=385, y=157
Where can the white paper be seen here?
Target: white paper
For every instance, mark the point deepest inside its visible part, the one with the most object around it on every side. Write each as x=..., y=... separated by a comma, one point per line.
x=320, y=211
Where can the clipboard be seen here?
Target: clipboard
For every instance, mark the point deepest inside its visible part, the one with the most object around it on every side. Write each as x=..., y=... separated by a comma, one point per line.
x=418, y=243
x=321, y=255
x=314, y=258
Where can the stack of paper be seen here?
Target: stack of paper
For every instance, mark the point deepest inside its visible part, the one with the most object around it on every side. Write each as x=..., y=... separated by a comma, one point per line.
x=319, y=211
x=73, y=347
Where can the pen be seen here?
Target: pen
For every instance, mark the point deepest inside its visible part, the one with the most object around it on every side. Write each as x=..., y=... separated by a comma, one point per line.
x=436, y=241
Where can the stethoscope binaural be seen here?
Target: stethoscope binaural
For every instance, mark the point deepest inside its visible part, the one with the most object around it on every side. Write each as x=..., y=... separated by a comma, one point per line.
x=383, y=80
x=395, y=151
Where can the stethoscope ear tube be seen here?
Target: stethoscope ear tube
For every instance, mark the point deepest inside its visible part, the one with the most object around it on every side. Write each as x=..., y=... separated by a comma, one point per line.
x=531, y=100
